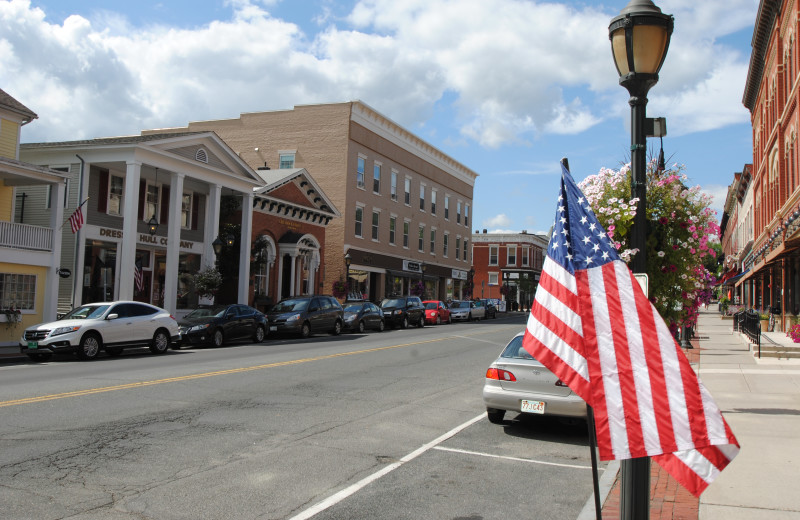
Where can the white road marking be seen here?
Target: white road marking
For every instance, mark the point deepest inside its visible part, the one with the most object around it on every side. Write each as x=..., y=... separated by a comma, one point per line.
x=750, y=371
x=346, y=492
x=516, y=459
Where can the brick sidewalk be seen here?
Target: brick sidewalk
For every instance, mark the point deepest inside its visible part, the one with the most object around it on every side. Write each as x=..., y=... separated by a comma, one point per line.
x=668, y=499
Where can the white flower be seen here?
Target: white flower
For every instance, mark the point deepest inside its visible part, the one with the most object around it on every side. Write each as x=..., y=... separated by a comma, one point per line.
x=661, y=254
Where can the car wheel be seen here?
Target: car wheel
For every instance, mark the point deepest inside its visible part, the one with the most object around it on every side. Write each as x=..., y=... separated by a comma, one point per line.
x=449, y=320
x=160, y=343
x=89, y=346
x=337, y=328
x=495, y=416
x=259, y=335
x=381, y=326
x=404, y=323
x=305, y=330
x=38, y=357
x=218, y=338
x=421, y=322
x=114, y=351
x=438, y=320
x=469, y=318
x=361, y=327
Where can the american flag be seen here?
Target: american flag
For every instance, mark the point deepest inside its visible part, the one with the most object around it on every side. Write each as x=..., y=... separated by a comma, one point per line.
x=138, y=277
x=76, y=219
x=592, y=325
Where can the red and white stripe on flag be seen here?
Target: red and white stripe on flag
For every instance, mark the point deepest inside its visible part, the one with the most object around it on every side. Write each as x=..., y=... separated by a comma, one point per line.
x=76, y=220
x=597, y=331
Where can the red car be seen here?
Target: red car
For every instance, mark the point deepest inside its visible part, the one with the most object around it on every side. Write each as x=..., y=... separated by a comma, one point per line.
x=436, y=312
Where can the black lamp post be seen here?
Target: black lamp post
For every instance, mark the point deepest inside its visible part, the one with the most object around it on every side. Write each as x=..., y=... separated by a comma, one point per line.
x=422, y=279
x=347, y=261
x=639, y=41
x=217, y=245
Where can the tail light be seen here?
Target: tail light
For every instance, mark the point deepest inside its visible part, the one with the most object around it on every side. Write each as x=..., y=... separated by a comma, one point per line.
x=173, y=317
x=499, y=374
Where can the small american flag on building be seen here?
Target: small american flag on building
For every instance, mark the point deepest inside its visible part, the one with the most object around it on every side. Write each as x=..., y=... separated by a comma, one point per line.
x=76, y=219
x=592, y=325
x=138, y=276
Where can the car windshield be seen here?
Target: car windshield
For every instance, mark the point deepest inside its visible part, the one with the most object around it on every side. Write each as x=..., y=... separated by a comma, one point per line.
x=290, y=305
x=515, y=350
x=86, y=312
x=459, y=305
x=431, y=305
x=215, y=311
x=392, y=302
x=353, y=307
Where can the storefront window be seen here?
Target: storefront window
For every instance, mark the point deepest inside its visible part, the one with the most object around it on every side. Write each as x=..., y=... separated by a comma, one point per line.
x=359, y=285
x=99, y=268
x=188, y=266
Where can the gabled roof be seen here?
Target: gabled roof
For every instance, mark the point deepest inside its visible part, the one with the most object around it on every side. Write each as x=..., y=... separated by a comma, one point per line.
x=9, y=103
x=300, y=177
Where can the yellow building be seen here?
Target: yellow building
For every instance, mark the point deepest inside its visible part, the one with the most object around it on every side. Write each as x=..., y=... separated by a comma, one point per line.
x=29, y=254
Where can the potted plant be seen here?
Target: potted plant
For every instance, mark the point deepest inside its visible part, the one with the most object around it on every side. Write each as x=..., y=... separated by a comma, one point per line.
x=764, y=318
x=206, y=283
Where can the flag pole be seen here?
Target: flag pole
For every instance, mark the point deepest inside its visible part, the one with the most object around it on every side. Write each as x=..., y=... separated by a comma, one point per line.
x=592, y=435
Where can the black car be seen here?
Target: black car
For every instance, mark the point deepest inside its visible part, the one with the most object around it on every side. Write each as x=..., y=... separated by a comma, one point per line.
x=215, y=324
x=402, y=311
x=359, y=316
x=305, y=315
x=491, y=309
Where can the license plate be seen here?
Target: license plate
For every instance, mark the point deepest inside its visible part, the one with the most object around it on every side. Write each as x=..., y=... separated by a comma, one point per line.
x=273, y=328
x=33, y=344
x=532, y=406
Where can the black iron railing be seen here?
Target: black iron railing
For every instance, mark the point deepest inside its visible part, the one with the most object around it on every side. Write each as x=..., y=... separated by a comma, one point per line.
x=750, y=325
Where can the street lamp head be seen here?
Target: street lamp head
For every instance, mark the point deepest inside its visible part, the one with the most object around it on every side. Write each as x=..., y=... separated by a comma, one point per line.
x=217, y=245
x=639, y=42
x=229, y=240
x=347, y=259
x=152, y=225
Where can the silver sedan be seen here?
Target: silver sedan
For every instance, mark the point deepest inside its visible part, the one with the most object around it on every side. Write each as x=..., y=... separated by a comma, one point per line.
x=516, y=382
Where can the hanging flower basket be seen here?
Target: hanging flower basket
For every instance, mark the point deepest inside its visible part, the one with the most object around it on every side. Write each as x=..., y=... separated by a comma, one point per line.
x=207, y=282
x=339, y=289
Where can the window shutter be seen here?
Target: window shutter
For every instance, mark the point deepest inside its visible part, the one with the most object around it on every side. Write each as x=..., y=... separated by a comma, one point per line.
x=164, y=204
x=102, y=198
x=195, y=209
x=142, y=195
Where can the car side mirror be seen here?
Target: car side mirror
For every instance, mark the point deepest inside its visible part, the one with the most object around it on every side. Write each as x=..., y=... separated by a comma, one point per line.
x=112, y=316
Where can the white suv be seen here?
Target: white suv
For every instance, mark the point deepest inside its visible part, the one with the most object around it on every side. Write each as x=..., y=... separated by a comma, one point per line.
x=109, y=326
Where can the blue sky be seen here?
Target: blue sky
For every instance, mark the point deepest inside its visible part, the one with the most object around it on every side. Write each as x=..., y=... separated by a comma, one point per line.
x=506, y=87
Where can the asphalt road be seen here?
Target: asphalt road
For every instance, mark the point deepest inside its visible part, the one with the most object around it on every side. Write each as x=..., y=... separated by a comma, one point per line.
x=377, y=426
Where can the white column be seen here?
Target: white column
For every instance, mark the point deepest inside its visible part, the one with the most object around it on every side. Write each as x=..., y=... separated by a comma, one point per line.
x=293, y=275
x=244, y=250
x=173, y=242
x=211, y=228
x=279, y=290
x=77, y=238
x=51, y=289
x=127, y=250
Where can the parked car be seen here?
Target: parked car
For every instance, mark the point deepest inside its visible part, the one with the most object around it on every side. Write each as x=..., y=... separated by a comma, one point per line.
x=436, y=312
x=217, y=324
x=478, y=309
x=516, y=382
x=109, y=326
x=491, y=309
x=402, y=311
x=463, y=310
x=306, y=315
x=359, y=316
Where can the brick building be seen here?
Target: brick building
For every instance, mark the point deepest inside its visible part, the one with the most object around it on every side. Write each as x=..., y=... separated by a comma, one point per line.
x=772, y=265
x=405, y=205
x=507, y=266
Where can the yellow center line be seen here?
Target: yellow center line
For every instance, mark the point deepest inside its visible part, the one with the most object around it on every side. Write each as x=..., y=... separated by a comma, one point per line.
x=141, y=384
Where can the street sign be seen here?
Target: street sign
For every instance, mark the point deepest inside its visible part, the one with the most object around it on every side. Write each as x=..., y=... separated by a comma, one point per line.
x=63, y=272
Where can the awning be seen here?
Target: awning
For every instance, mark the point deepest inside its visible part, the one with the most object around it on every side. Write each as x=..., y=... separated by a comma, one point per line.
x=739, y=278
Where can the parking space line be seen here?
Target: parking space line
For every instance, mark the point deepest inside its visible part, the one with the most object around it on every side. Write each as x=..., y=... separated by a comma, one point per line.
x=516, y=459
x=350, y=490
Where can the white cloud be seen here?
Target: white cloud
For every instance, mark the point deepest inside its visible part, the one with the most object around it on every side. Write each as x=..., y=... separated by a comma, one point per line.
x=718, y=195
x=513, y=72
x=497, y=221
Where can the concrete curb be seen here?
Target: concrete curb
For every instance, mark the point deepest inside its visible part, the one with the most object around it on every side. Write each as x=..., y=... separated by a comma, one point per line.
x=607, y=480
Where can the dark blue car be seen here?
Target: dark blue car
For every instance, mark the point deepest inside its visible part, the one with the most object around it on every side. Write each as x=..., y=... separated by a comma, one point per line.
x=216, y=324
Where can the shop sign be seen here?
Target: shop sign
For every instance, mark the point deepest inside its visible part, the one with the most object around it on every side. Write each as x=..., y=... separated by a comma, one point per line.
x=415, y=267
x=145, y=238
x=63, y=272
x=459, y=274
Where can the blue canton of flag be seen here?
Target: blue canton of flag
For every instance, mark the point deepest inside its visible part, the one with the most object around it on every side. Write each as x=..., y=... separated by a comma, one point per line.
x=578, y=240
